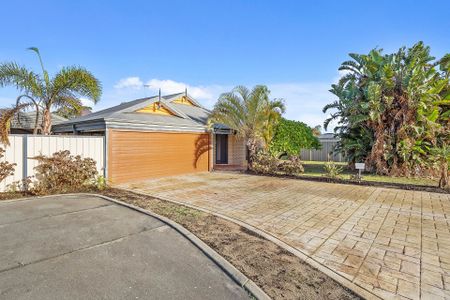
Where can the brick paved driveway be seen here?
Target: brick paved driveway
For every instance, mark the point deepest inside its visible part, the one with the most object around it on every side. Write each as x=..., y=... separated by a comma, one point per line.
x=388, y=241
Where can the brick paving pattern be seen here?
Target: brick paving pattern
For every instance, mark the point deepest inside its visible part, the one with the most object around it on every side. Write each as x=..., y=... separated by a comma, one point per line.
x=394, y=243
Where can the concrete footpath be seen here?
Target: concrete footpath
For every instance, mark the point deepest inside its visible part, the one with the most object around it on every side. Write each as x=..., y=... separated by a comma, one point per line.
x=85, y=247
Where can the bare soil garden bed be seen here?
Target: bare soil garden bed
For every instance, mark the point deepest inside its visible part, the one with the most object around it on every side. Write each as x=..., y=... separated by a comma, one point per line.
x=279, y=273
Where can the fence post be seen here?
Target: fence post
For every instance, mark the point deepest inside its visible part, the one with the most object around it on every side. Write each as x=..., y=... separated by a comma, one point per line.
x=24, y=156
x=105, y=154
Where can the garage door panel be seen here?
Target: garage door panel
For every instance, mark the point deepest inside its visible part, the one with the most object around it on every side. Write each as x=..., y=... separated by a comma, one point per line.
x=142, y=155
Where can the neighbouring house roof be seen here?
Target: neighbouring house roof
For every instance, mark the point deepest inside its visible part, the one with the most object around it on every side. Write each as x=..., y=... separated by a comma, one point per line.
x=27, y=120
x=127, y=115
x=327, y=136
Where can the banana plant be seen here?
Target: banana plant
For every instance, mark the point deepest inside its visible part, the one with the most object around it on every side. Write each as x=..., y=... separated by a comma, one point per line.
x=392, y=109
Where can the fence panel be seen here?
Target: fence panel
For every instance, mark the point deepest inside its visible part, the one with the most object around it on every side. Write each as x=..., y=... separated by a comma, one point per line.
x=322, y=154
x=13, y=154
x=23, y=148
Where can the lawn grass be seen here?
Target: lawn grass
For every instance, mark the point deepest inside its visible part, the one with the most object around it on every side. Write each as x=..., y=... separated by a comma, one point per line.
x=316, y=168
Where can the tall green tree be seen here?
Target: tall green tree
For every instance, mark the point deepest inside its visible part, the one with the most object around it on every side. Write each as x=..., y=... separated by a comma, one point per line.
x=392, y=109
x=43, y=93
x=251, y=113
x=292, y=136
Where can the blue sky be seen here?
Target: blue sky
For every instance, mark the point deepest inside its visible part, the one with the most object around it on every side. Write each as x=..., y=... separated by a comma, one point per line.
x=295, y=47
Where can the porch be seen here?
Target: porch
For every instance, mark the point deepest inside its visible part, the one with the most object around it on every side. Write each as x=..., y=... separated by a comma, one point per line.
x=230, y=152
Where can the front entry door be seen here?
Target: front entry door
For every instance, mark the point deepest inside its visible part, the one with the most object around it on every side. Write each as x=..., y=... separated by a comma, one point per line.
x=221, y=149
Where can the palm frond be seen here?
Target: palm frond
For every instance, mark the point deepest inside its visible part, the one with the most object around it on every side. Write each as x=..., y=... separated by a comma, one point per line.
x=251, y=113
x=5, y=121
x=76, y=80
x=329, y=106
x=11, y=74
x=44, y=71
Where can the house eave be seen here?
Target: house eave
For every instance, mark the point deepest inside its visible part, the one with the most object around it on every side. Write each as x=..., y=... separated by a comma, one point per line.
x=86, y=126
x=153, y=127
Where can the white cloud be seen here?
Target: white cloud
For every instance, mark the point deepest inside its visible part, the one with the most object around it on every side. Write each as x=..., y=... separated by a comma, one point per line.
x=205, y=94
x=171, y=87
x=129, y=82
x=339, y=75
x=86, y=102
x=127, y=88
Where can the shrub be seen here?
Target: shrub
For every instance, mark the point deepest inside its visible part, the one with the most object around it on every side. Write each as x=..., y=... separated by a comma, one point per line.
x=101, y=183
x=292, y=136
x=6, y=168
x=332, y=170
x=20, y=185
x=291, y=166
x=265, y=163
x=63, y=173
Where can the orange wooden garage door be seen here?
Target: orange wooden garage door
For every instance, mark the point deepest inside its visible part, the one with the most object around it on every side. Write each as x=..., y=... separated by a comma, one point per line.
x=135, y=155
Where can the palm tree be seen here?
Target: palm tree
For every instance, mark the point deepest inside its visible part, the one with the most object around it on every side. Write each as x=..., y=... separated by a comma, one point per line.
x=250, y=113
x=42, y=93
x=73, y=112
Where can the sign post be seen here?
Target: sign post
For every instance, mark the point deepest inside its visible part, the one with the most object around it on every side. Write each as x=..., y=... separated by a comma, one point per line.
x=360, y=167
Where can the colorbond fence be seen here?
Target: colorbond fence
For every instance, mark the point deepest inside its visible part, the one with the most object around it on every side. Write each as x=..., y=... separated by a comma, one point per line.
x=23, y=148
x=322, y=154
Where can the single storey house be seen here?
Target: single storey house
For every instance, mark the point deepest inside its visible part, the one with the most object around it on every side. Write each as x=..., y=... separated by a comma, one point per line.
x=159, y=136
x=25, y=122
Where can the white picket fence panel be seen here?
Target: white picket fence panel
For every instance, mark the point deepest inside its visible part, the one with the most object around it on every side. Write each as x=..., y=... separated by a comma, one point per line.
x=23, y=148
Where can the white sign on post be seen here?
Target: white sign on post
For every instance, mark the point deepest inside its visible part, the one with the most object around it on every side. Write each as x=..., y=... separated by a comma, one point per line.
x=360, y=166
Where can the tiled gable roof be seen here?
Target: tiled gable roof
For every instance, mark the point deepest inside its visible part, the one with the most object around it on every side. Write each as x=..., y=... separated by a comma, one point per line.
x=184, y=115
x=27, y=120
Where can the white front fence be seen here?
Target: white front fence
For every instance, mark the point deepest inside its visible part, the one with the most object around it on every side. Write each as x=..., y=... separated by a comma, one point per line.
x=23, y=148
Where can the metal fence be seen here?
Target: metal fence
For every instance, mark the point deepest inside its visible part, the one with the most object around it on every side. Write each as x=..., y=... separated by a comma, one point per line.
x=23, y=148
x=322, y=154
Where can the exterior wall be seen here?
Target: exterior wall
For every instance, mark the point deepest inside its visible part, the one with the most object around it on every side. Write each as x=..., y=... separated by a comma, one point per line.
x=140, y=155
x=23, y=148
x=236, y=151
x=212, y=153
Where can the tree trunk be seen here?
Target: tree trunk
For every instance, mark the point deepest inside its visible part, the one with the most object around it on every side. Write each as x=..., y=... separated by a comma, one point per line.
x=46, y=122
x=444, y=181
x=376, y=156
x=36, y=122
x=251, y=144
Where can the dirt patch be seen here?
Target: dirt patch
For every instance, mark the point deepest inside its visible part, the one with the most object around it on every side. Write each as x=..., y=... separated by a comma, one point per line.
x=279, y=273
